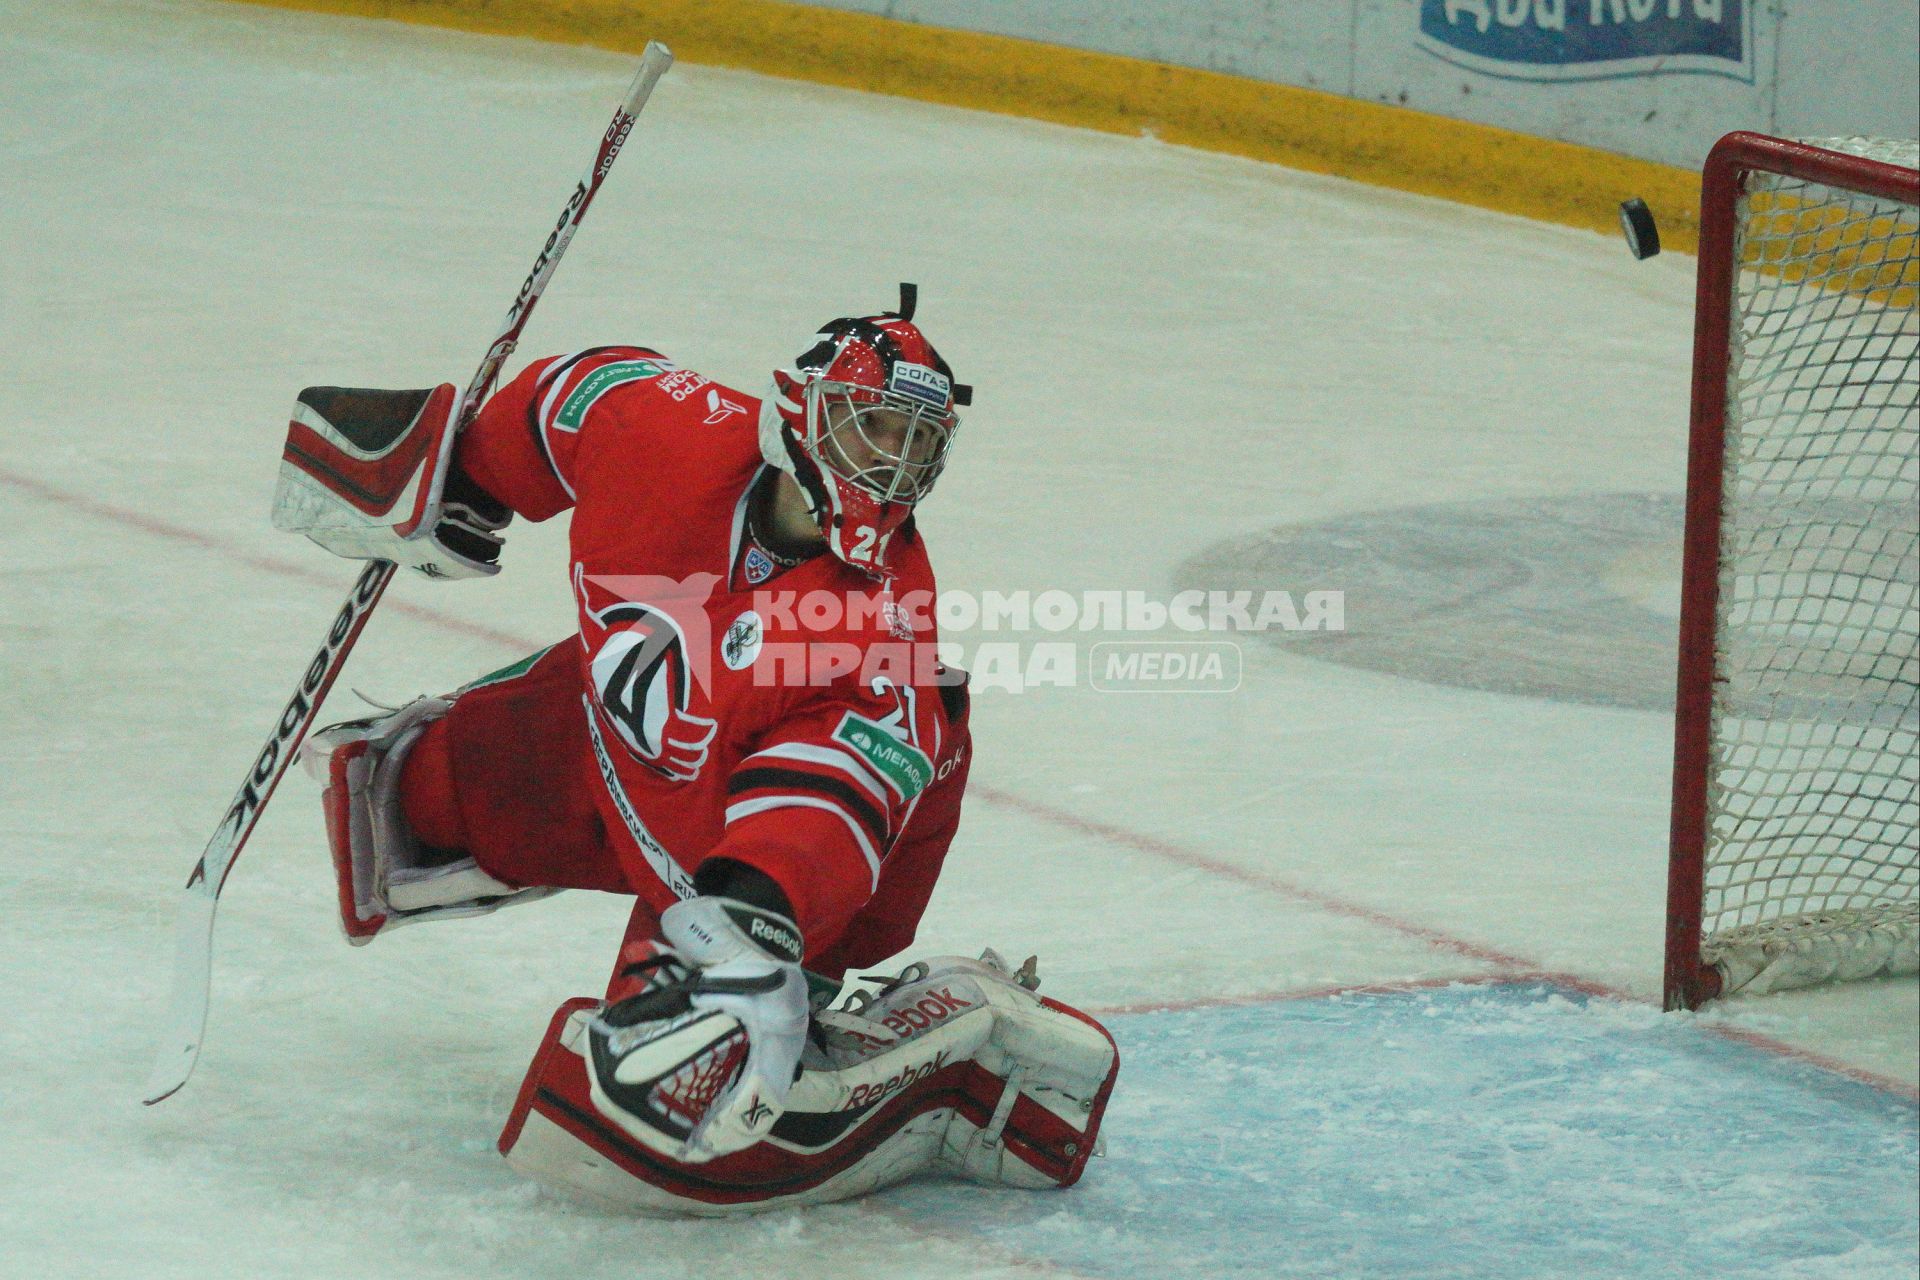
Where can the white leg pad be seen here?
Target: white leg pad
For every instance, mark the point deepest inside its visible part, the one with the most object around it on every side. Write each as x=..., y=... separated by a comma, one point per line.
x=955, y=1068
x=1053, y=1058
x=386, y=879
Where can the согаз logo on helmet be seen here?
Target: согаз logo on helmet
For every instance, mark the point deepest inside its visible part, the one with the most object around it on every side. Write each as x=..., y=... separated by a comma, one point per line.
x=922, y=383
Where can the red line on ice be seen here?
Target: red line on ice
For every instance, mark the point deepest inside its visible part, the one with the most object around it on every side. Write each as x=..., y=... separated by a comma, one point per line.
x=1171, y=852
x=267, y=564
x=1511, y=968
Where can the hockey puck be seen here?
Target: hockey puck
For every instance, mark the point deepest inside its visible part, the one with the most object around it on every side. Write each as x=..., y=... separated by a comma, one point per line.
x=1636, y=223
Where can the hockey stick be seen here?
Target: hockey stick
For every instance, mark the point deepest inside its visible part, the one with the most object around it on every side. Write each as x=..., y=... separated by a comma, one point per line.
x=186, y=1018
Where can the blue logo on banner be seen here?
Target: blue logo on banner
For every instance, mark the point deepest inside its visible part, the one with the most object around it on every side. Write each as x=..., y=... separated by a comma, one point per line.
x=1589, y=39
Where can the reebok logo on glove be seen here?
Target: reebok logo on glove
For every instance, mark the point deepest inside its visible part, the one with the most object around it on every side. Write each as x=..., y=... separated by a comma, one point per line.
x=775, y=933
x=781, y=940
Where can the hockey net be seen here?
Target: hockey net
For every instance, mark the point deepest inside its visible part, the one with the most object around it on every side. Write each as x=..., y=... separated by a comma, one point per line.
x=1796, y=821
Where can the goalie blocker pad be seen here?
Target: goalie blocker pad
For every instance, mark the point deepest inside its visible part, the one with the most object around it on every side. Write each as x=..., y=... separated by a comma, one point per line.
x=958, y=1070
x=368, y=475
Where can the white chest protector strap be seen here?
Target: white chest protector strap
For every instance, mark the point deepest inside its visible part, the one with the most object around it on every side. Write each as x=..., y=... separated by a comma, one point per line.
x=955, y=1066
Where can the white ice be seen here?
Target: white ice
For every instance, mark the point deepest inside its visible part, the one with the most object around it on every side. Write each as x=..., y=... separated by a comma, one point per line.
x=206, y=207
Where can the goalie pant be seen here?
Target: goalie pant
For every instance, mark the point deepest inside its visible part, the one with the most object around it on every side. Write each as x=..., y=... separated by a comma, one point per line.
x=954, y=1066
x=507, y=776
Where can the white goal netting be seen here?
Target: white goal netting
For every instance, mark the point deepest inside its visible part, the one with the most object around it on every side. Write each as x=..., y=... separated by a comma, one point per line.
x=1813, y=845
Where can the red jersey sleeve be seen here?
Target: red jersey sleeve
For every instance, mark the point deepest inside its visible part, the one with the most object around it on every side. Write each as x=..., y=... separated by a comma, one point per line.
x=522, y=446
x=886, y=924
x=844, y=805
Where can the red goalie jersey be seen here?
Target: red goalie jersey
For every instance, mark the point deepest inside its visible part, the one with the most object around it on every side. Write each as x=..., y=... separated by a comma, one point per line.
x=716, y=703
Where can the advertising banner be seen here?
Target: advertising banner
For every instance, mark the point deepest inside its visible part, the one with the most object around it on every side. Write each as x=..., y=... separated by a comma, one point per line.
x=1565, y=40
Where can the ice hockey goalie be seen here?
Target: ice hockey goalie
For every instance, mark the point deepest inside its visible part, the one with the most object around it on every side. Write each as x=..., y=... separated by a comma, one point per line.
x=774, y=784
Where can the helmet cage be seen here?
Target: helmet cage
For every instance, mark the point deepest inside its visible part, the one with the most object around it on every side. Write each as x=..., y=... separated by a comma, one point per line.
x=886, y=444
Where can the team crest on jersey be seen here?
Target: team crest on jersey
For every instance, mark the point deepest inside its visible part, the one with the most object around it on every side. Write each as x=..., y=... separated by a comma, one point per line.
x=645, y=683
x=758, y=566
x=741, y=645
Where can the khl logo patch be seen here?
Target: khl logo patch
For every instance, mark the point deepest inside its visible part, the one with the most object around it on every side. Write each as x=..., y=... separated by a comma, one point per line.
x=758, y=566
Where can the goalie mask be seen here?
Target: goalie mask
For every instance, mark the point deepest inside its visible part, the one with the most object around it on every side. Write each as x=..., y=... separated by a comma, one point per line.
x=863, y=421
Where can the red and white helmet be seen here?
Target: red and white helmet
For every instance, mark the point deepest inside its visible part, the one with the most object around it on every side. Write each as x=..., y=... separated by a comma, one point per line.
x=864, y=421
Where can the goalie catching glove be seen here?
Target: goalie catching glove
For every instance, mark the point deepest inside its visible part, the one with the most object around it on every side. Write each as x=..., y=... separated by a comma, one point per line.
x=369, y=475
x=697, y=1059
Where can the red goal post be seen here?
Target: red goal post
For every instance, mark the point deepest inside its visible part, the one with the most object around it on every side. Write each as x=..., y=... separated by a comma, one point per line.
x=1795, y=854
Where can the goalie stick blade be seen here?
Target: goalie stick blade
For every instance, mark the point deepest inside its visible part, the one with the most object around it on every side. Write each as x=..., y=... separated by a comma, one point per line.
x=193, y=930
x=186, y=1018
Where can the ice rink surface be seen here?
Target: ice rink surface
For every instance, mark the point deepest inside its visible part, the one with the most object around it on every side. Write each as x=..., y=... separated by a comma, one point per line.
x=1379, y=934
